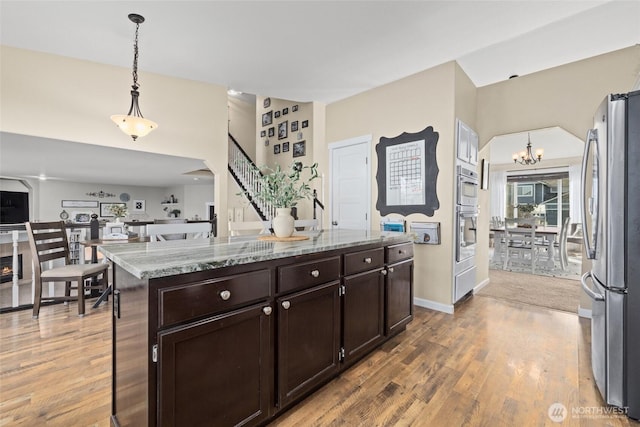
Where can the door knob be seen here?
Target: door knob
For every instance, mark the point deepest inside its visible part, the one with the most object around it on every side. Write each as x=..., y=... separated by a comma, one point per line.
x=334, y=222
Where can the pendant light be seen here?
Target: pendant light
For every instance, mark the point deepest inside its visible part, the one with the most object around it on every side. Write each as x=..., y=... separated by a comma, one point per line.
x=133, y=123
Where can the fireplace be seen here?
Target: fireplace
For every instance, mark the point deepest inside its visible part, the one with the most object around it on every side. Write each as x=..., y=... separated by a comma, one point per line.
x=6, y=267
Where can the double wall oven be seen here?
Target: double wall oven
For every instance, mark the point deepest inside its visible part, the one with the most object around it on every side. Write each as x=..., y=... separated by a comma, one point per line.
x=466, y=230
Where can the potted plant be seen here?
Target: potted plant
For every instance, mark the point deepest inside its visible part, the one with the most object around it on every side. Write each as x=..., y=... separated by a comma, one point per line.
x=283, y=189
x=525, y=210
x=119, y=211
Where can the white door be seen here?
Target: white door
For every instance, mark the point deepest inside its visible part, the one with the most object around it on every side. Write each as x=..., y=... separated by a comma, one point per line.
x=351, y=183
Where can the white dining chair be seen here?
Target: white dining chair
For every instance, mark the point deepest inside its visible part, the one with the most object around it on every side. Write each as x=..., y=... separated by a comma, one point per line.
x=193, y=230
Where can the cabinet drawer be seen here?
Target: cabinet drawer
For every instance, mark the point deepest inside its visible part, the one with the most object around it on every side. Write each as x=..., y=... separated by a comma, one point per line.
x=212, y=296
x=358, y=262
x=399, y=252
x=307, y=274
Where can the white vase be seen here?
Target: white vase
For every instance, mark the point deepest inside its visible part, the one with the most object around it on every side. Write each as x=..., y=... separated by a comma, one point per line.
x=118, y=220
x=283, y=222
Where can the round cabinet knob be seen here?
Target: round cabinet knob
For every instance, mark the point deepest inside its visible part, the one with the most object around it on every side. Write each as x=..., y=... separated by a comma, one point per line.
x=315, y=273
x=225, y=295
x=286, y=305
x=266, y=310
x=390, y=269
x=383, y=272
x=367, y=260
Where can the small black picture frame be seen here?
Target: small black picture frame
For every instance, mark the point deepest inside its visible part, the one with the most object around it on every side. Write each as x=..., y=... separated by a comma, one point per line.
x=299, y=149
x=272, y=131
x=285, y=111
x=266, y=142
x=266, y=103
x=294, y=126
x=283, y=129
x=305, y=123
x=276, y=149
x=277, y=114
x=267, y=118
x=294, y=108
x=263, y=133
x=285, y=147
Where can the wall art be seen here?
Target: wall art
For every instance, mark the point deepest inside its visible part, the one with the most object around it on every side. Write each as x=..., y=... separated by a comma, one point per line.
x=305, y=123
x=267, y=118
x=299, y=149
x=285, y=147
x=79, y=203
x=276, y=149
x=294, y=126
x=283, y=129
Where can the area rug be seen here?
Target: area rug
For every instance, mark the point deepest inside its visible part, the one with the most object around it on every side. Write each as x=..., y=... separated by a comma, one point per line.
x=542, y=291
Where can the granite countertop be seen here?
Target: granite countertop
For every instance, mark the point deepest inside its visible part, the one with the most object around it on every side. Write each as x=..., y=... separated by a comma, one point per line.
x=160, y=259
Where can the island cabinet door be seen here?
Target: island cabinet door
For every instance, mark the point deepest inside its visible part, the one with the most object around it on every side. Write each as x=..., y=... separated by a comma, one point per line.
x=399, y=296
x=363, y=314
x=308, y=340
x=218, y=371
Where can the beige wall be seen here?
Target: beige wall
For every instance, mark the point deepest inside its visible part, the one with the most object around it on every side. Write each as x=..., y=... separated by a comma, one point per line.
x=409, y=105
x=564, y=96
x=57, y=97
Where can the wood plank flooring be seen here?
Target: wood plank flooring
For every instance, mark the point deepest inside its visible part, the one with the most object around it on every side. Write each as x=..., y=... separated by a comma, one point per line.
x=492, y=363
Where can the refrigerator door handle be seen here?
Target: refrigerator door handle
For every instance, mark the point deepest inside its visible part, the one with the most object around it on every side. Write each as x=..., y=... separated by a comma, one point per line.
x=592, y=137
x=594, y=296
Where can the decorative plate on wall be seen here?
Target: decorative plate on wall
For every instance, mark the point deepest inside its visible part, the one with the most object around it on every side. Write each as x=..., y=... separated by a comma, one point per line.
x=124, y=197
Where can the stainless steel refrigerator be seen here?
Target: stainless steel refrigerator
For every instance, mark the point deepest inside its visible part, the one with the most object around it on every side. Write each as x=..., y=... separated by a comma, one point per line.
x=611, y=229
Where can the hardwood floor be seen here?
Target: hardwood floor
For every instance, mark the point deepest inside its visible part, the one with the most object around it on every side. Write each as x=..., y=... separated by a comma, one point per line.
x=492, y=363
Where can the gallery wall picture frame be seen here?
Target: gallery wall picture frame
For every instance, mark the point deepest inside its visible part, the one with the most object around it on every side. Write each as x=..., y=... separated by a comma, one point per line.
x=294, y=126
x=105, y=209
x=266, y=103
x=276, y=114
x=285, y=147
x=272, y=132
x=263, y=133
x=305, y=123
x=79, y=203
x=283, y=129
x=285, y=111
x=299, y=149
x=266, y=142
x=139, y=206
x=294, y=108
x=276, y=149
x=267, y=118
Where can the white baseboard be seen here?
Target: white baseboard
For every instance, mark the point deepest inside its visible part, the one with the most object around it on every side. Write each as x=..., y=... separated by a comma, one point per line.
x=481, y=285
x=584, y=312
x=445, y=308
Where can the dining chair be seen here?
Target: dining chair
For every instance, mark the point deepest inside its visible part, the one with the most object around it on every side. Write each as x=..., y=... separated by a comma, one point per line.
x=164, y=232
x=176, y=236
x=309, y=224
x=520, y=247
x=50, y=250
x=237, y=228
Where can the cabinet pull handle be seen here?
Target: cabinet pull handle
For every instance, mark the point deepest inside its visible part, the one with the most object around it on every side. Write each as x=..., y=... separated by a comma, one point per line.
x=266, y=310
x=286, y=305
x=383, y=272
x=315, y=273
x=367, y=260
x=225, y=295
x=390, y=269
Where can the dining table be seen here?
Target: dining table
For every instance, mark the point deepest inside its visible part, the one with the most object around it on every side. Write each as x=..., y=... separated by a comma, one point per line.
x=550, y=235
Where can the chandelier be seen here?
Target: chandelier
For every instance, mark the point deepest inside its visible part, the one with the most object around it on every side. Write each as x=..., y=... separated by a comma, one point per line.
x=526, y=157
x=134, y=124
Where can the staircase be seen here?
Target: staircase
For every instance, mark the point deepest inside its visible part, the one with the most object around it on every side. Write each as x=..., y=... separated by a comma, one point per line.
x=247, y=175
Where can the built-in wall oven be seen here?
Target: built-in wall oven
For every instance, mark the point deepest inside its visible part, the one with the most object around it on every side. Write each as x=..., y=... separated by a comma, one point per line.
x=467, y=186
x=467, y=218
x=466, y=231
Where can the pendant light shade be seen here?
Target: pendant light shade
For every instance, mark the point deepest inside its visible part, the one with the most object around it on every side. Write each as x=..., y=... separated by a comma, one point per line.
x=133, y=123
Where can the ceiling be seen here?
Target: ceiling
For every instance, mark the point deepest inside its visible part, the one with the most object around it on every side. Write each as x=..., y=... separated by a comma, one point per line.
x=323, y=50
x=297, y=50
x=29, y=157
x=556, y=142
